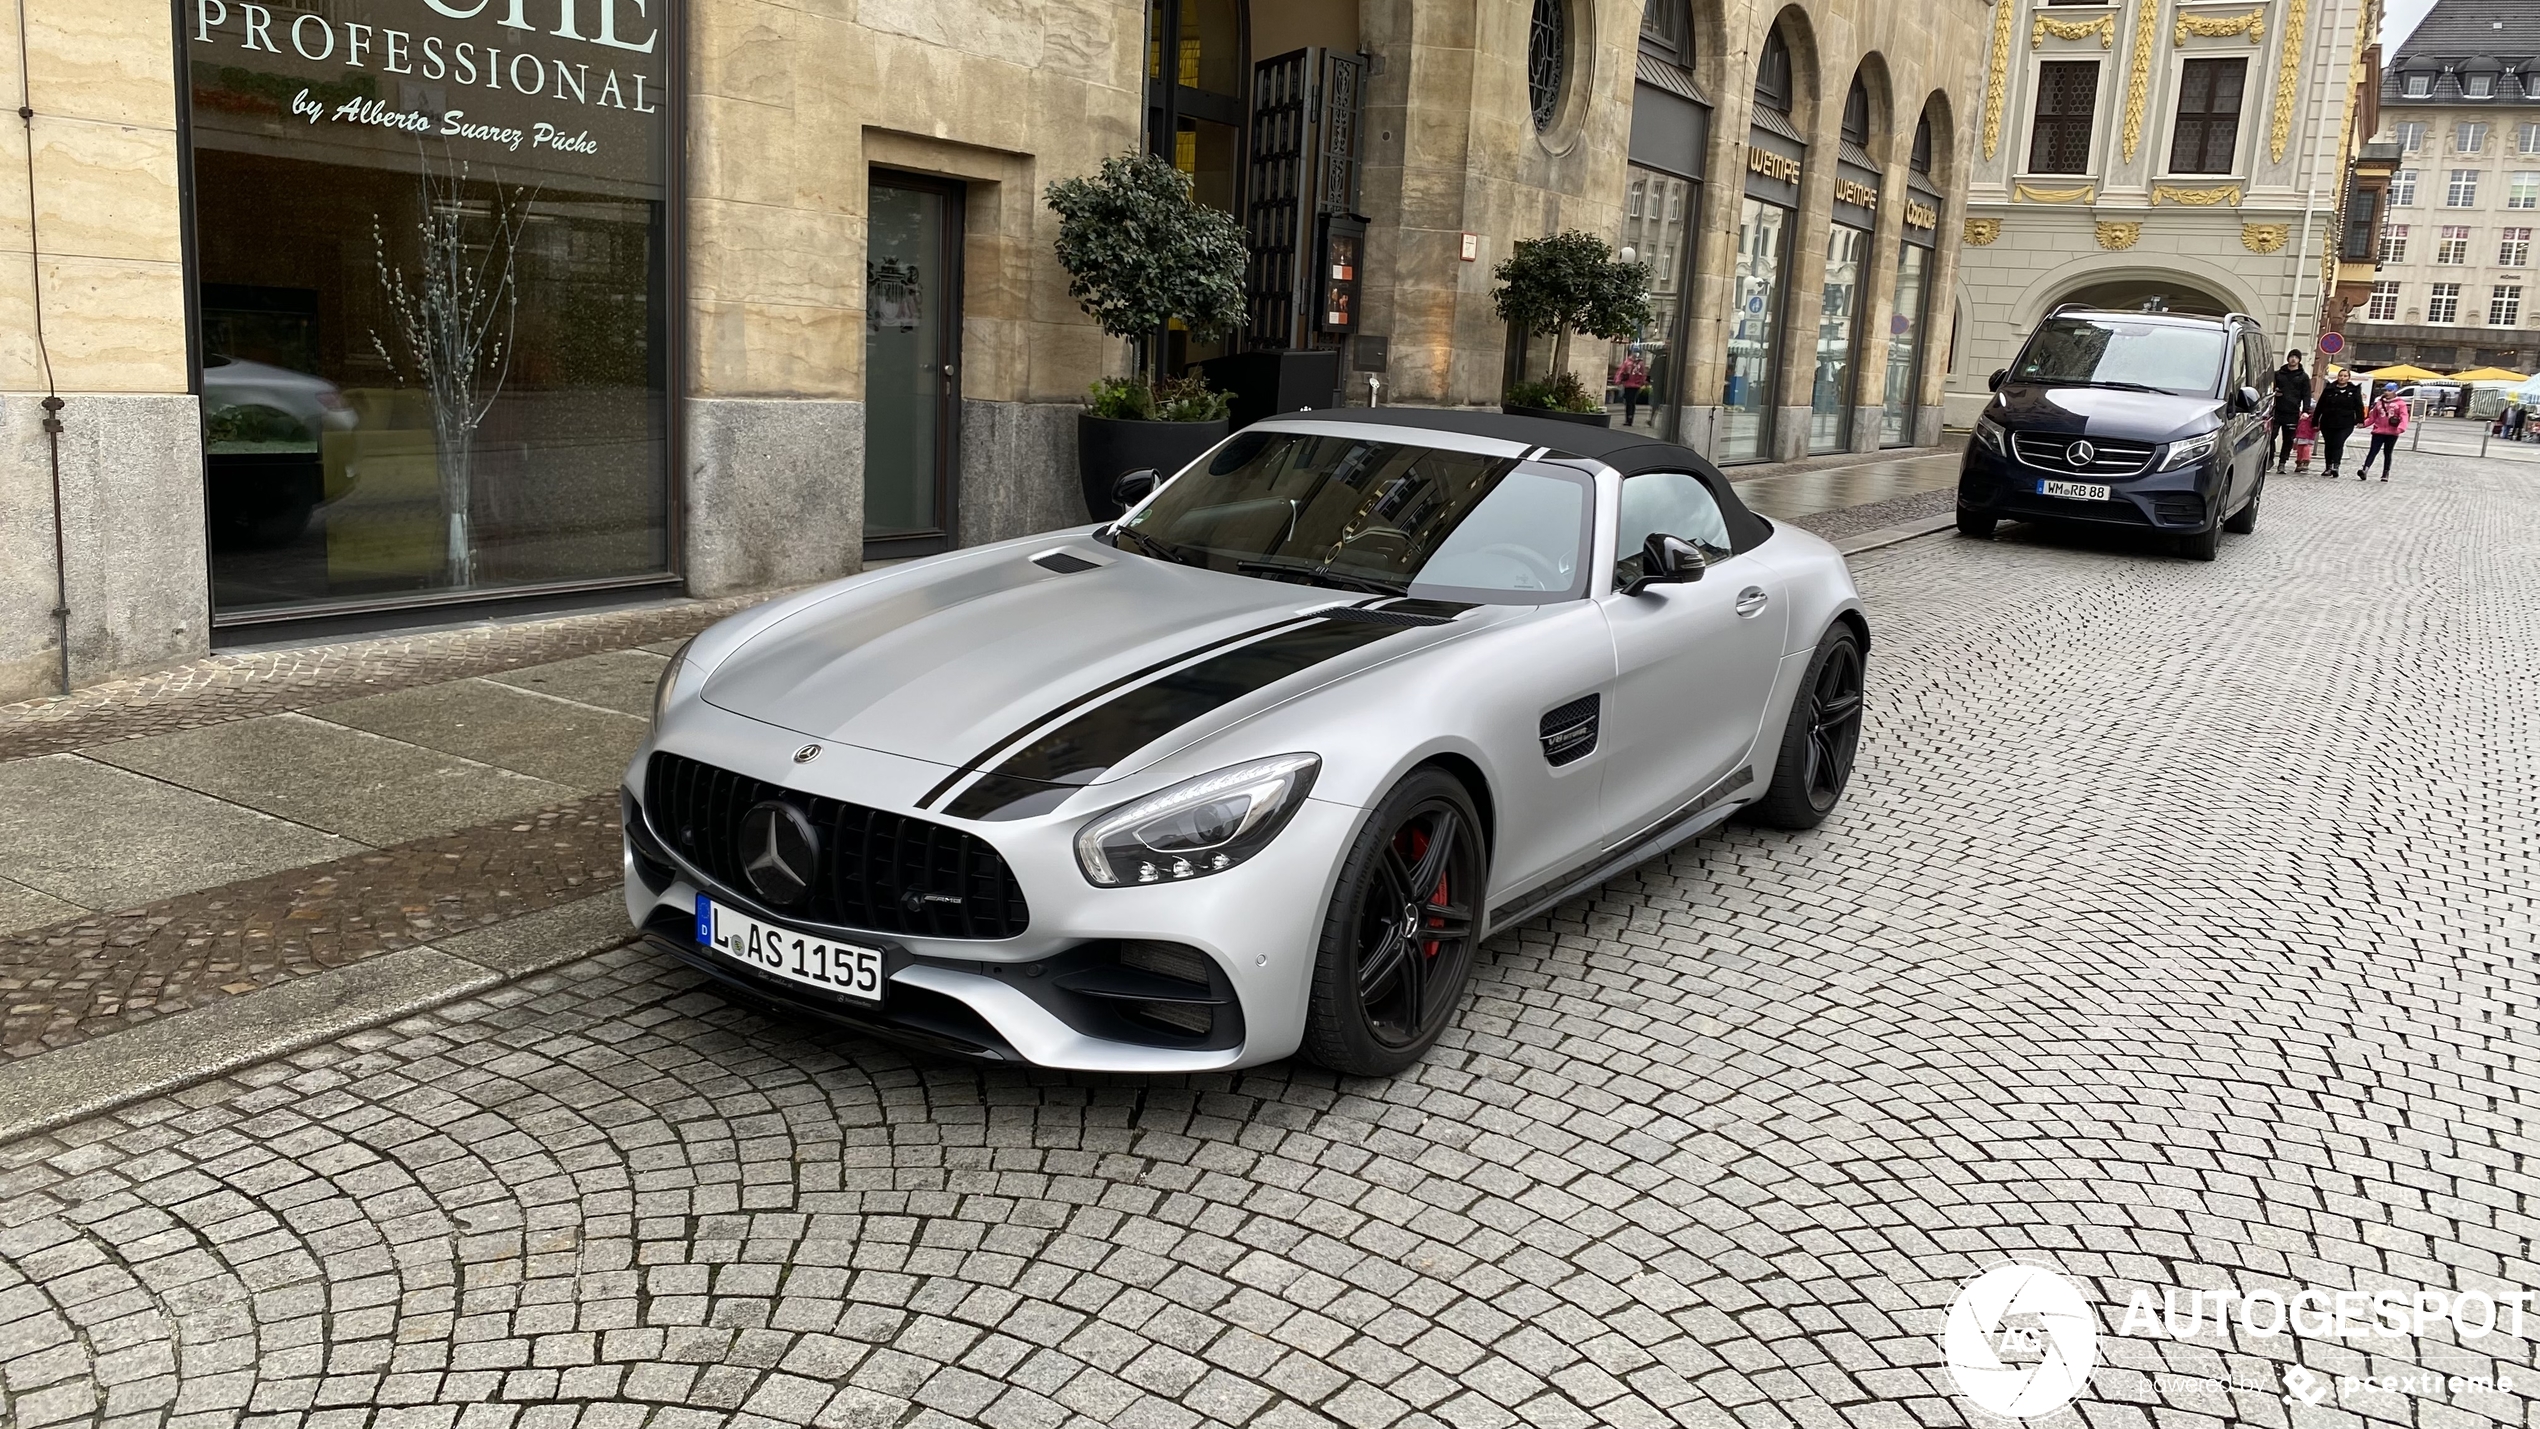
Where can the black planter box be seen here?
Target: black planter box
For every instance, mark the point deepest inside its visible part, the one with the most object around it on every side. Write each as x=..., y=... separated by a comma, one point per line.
x=1264, y=384
x=1584, y=419
x=1108, y=449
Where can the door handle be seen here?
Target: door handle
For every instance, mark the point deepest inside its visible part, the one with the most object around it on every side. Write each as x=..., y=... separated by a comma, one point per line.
x=1752, y=600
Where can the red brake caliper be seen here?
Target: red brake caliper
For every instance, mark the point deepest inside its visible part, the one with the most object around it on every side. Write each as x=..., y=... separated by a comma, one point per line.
x=1419, y=848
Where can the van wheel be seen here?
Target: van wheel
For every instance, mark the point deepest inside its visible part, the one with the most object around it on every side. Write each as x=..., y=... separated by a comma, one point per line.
x=1977, y=525
x=2202, y=545
x=2245, y=520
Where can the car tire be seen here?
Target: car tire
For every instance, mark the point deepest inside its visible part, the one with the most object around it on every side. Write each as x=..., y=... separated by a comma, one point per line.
x=1976, y=525
x=1819, y=739
x=1382, y=993
x=2245, y=520
x=2202, y=545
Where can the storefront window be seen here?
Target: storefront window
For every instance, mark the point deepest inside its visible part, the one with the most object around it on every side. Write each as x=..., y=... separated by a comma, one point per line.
x=1746, y=399
x=1641, y=372
x=1904, y=347
x=432, y=285
x=1830, y=396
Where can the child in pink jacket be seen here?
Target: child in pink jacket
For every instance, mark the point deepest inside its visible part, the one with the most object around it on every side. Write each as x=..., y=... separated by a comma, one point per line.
x=2386, y=419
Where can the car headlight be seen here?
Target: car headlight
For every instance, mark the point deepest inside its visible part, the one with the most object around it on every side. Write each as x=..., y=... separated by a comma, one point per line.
x=1199, y=826
x=1989, y=435
x=667, y=688
x=2189, y=452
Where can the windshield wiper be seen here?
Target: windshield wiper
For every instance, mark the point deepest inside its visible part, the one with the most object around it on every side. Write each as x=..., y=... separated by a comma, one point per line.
x=2127, y=386
x=1149, y=544
x=1325, y=575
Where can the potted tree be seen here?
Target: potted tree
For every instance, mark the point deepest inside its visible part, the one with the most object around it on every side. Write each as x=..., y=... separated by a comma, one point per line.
x=1553, y=287
x=1140, y=254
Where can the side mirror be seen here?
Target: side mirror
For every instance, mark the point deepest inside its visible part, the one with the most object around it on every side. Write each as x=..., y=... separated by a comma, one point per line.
x=1131, y=487
x=1666, y=560
x=1994, y=382
x=2245, y=400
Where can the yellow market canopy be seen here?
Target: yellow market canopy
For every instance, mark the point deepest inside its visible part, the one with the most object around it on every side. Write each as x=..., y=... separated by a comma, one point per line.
x=2404, y=372
x=2487, y=374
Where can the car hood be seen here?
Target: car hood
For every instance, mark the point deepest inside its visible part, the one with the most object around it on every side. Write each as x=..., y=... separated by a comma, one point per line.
x=955, y=659
x=2104, y=412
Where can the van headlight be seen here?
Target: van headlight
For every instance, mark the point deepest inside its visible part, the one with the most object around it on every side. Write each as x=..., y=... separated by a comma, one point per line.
x=1989, y=435
x=1197, y=827
x=2189, y=452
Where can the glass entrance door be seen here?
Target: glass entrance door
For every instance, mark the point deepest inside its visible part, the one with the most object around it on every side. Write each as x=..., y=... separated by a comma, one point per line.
x=912, y=389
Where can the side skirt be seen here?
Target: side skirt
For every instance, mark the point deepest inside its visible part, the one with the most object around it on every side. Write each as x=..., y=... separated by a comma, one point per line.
x=1698, y=814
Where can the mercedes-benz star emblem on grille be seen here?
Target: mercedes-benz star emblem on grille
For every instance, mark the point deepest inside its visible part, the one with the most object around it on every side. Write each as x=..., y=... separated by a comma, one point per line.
x=2081, y=453
x=779, y=850
x=807, y=754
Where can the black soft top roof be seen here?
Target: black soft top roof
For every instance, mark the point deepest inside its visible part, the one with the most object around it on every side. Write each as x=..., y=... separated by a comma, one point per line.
x=1626, y=451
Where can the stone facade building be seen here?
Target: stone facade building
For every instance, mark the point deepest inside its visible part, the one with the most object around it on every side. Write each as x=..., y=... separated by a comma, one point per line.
x=2193, y=152
x=341, y=309
x=2453, y=285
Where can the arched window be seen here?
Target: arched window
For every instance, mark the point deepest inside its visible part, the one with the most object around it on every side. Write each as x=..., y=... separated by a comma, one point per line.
x=1666, y=30
x=1921, y=161
x=1547, y=58
x=1856, y=114
x=1772, y=73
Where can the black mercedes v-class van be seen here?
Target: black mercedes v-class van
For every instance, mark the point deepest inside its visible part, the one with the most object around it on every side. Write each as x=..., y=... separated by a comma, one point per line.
x=2144, y=419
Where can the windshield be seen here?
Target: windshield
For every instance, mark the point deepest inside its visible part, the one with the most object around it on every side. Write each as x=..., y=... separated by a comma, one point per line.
x=2112, y=352
x=1373, y=516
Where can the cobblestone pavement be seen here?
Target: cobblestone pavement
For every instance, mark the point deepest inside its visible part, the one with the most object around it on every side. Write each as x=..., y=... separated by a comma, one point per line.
x=2178, y=932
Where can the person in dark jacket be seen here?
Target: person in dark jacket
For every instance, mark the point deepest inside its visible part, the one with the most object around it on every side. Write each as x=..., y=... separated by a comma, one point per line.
x=2292, y=399
x=2339, y=411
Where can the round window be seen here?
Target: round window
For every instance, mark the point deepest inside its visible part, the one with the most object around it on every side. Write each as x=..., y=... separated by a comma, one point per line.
x=1547, y=58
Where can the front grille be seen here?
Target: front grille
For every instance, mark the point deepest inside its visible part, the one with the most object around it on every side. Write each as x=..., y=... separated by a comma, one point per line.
x=2110, y=456
x=2178, y=508
x=877, y=870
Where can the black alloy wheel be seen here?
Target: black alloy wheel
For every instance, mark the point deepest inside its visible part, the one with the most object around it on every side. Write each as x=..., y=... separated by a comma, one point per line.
x=1821, y=739
x=1399, y=939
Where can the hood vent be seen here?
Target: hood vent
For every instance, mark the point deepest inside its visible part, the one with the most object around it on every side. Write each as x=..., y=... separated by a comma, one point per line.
x=1066, y=563
x=1569, y=733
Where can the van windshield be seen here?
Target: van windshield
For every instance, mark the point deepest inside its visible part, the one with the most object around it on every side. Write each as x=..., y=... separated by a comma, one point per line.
x=2113, y=352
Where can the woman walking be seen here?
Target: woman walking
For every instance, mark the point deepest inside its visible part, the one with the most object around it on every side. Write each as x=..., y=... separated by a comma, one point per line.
x=1633, y=377
x=2387, y=419
x=2339, y=410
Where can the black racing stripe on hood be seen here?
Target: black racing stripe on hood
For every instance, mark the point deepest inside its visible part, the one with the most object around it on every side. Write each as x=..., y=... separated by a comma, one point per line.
x=1086, y=747
x=1088, y=697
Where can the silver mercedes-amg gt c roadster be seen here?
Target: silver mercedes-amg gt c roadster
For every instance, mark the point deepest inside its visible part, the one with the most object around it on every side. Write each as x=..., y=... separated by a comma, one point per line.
x=1253, y=770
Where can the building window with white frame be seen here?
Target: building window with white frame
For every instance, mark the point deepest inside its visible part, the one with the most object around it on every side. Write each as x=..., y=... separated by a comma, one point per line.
x=2443, y=304
x=2403, y=189
x=2383, y=307
x=2411, y=136
x=2514, y=249
x=2462, y=191
x=2471, y=136
x=2504, y=305
x=2417, y=86
x=2527, y=139
x=2523, y=190
x=2394, y=243
x=2478, y=86
x=2206, y=135
x=2067, y=102
x=2453, y=250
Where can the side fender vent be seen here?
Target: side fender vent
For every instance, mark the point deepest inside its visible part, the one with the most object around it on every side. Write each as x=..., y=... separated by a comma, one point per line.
x=1569, y=733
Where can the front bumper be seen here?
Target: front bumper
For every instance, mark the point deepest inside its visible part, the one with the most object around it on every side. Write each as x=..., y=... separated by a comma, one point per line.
x=1023, y=998
x=2180, y=501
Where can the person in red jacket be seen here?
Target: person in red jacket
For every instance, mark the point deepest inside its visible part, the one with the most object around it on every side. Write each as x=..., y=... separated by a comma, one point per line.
x=2387, y=418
